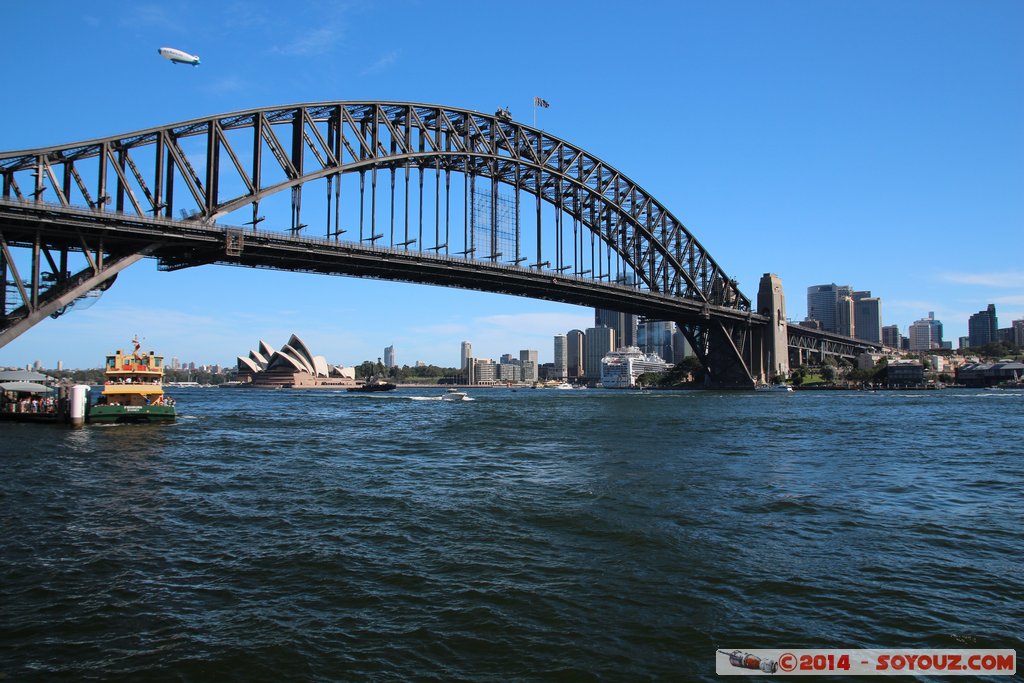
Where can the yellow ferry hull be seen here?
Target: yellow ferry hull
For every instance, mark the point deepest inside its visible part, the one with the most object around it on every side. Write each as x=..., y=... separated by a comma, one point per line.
x=130, y=414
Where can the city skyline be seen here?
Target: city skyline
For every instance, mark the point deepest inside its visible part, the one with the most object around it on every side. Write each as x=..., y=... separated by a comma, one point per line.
x=795, y=151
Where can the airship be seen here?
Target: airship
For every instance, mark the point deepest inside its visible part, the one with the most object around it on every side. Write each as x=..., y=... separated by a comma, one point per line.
x=178, y=57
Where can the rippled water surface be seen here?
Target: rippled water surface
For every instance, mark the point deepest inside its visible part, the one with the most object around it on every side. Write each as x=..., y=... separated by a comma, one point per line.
x=530, y=535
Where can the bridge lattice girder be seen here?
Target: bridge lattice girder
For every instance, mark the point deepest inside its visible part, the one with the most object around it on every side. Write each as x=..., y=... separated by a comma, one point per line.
x=308, y=142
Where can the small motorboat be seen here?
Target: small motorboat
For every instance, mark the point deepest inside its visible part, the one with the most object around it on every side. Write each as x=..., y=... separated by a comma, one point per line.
x=374, y=385
x=455, y=395
x=774, y=388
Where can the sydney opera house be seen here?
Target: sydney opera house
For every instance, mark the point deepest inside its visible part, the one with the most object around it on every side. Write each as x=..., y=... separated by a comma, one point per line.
x=292, y=367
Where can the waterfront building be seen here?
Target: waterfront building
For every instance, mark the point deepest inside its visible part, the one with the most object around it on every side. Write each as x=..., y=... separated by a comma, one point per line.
x=389, y=357
x=655, y=337
x=982, y=326
x=529, y=370
x=561, y=364
x=509, y=372
x=598, y=342
x=619, y=369
x=574, y=353
x=293, y=366
x=905, y=373
x=868, y=359
x=485, y=371
x=465, y=354
x=624, y=324
x=989, y=374
x=891, y=336
x=867, y=317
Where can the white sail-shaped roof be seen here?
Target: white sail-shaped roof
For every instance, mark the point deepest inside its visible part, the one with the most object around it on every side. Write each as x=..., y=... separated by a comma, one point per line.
x=321, y=366
x=283, y=358
x=248, y=364
x=301, y=350
x=297, y=355
x=266, y=350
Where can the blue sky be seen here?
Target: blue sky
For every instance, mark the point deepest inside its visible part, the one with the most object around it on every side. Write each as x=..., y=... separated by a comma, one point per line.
x=875, y=144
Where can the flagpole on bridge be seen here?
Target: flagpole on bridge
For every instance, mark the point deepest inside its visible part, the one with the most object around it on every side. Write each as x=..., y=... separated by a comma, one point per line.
x=538, y=102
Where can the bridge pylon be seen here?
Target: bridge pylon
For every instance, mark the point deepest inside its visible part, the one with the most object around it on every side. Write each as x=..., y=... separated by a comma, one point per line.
x=770, y=347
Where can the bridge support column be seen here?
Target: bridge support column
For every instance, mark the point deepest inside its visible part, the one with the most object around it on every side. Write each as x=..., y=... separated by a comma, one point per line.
x=774, y=357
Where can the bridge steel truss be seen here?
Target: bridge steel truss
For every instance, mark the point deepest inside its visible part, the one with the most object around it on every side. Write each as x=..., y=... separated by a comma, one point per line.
x=805, y=342
x=112, y=202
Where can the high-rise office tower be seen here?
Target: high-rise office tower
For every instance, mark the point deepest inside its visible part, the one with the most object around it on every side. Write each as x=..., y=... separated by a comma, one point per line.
x=574, y=353
x=528, y=361
x=867, y=317
x=561, y=356
x=656, y=337
x=982, y=327
x=821, y=305
x=598, y=343
x=624, y=325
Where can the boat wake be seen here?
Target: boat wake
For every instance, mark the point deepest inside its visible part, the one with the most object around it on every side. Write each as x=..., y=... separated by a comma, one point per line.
x=436, y=398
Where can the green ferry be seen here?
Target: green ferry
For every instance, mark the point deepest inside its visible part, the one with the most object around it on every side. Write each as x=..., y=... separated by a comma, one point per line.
x=133, y=390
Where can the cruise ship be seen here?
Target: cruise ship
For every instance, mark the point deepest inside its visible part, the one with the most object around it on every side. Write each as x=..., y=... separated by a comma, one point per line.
x=619, y=369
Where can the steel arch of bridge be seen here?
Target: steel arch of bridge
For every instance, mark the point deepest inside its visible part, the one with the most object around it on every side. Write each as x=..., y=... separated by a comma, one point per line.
x=284, y=148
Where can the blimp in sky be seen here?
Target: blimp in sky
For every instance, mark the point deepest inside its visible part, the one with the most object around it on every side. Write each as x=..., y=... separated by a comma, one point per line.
x=178, y=57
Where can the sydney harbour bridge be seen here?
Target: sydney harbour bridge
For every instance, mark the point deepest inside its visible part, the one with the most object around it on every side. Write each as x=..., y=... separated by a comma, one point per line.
x=391, y=190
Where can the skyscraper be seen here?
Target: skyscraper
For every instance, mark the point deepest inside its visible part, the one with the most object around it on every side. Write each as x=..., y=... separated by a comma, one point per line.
x=891, y=336
x=845, y=323
x=982, y=327
x=925, y=334
x=680, y=346
x=656, y=337
x=936, y=330
x=822, y=301
x=389, y=357
x=528, y=361
x=466, y=353
x=867, y=317
x=561, y=356
x=624, y=325
x=599, y=342
x=574, y=344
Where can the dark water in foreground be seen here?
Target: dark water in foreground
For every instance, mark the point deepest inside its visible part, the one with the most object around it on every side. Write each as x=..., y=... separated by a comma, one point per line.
x=531, y=535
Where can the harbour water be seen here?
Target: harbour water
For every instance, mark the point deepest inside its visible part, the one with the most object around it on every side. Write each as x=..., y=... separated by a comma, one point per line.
x=529, y=535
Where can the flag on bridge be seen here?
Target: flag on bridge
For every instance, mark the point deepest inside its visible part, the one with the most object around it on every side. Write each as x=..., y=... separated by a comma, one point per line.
x=538, y=102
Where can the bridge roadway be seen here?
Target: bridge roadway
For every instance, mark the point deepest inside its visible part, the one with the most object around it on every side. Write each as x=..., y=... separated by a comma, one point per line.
x=183, y=244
